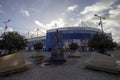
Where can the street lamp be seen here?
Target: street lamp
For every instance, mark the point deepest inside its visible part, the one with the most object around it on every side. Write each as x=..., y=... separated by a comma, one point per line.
x=100, y=23
x=6, y=24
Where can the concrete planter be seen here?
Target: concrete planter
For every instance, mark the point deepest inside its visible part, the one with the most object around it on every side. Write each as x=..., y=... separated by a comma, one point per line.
x=38, y=54
x=75, y=55
x=12, y=63
x=103, y=62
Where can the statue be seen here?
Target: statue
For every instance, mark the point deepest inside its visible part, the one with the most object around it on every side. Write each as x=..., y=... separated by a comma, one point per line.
x=57, y=54
x=57, y=35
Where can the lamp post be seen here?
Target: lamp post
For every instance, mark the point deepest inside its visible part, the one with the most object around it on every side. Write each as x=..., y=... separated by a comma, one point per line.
x=100, y=23
x=6, y=24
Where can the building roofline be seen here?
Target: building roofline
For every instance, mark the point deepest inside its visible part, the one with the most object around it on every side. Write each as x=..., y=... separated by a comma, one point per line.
x=74, y=28
x=36, y=38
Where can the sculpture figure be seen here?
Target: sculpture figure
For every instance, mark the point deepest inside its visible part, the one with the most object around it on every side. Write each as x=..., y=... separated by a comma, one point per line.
x=57, y=36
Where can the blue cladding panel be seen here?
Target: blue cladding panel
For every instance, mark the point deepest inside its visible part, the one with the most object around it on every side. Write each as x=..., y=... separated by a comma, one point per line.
x=49, y=39
x=76, y=36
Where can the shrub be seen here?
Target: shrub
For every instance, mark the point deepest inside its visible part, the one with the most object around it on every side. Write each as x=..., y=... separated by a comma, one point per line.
x=38, y=46
x=73, y=46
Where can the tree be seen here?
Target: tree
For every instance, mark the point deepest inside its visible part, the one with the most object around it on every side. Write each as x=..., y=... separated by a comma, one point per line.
x=101, y=42
x=38, y=46
x=1, y=44
x=118, y=46
x=73, y=46
x=12, y=41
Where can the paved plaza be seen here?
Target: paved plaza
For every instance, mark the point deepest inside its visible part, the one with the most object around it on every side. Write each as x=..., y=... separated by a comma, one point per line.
x=72, y=69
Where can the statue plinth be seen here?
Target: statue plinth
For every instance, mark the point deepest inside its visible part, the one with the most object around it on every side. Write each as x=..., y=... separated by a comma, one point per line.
x=57, y=55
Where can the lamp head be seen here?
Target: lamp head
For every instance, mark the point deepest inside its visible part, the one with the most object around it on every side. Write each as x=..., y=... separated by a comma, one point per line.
x=95, y=15
x=9, y=20
x=104, y=18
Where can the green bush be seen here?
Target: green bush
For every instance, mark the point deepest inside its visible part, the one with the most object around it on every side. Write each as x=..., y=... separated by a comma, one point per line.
x=73, y=46
x=38, y=46
x=101, y=42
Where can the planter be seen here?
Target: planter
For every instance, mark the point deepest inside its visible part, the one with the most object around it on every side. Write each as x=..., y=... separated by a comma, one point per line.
x=75, y=55
x=38, y=54
x=12, y=63
x=103, y=62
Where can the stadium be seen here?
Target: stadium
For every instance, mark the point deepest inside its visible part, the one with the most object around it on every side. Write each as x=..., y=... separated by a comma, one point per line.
x=67, y=35
x=79, y=35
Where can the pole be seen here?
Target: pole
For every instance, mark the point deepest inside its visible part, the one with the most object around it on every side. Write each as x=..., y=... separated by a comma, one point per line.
x=28, y=34
x=101, y=22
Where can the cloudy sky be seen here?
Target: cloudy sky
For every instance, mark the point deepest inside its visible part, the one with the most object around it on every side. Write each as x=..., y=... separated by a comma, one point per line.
x=28, y=15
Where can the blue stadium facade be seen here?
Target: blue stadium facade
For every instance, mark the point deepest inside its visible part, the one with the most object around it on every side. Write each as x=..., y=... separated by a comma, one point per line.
x=79, y=35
